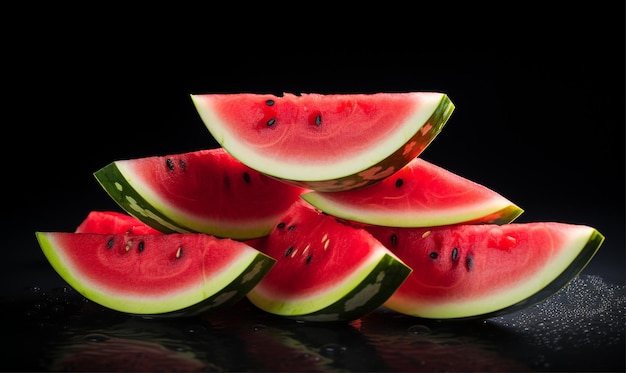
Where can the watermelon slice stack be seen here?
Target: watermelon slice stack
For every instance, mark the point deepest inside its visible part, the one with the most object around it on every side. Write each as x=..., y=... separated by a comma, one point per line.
x=333, y=211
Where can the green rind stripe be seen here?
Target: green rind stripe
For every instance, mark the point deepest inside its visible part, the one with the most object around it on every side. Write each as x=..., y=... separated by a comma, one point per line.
x=507, y=215
x=369, y=294
x=125, y=195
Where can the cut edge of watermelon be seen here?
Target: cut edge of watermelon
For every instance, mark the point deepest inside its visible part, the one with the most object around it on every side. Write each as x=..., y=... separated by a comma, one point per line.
x=434, y=106
x=134, y=303
x=571, y=260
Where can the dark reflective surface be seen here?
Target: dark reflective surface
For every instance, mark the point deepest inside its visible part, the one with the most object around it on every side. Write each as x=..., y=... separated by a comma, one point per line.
x=540, y=119
x=581, y=328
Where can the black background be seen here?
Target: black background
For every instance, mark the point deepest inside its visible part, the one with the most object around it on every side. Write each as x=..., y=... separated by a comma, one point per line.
x=539, y=97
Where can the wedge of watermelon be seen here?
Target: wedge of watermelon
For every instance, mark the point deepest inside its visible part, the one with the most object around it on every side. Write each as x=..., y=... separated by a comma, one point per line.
x=325, y=270
x=484, y=270
x=421, y=194
x=325, y=142
x=205, y=191
x=155, y=275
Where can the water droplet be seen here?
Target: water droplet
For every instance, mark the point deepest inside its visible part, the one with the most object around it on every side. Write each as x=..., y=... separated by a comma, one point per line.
x=257, y=327
x=419, y=329
x=40, y=306
x=196, y=329
x=333, y=350
x=96, y=338
x=35, y=289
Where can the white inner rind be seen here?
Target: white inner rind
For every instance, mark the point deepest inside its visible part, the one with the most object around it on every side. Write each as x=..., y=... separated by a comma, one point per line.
x=350, y=164
x=410, y=217
x=478, y=304
x=124, y=300
x=269, y=300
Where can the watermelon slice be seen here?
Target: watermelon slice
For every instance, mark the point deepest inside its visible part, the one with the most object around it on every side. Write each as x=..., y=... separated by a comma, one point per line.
x=421, y=194
x=155, y=275
x=325, y=270
x=113, y=222
x=206, y=191
x=484, y=270
x=325, y=142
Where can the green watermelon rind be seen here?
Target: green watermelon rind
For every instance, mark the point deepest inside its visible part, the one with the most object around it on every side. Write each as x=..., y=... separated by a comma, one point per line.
x=350, y=302
x=117, y=186
x=381, y=161
x=217, y=292
x=511, y=301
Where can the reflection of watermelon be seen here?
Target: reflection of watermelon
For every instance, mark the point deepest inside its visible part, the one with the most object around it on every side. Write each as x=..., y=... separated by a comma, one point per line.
x=485, y=269
x=421, y=194
x=325, y=142
x=155, y=275
x=325, y=270
x=102, y=353
x=407, y=344
x=205, y=191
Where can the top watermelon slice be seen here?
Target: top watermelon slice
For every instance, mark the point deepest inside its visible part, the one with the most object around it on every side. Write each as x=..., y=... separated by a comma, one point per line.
x=325, y=142
x=205, y=191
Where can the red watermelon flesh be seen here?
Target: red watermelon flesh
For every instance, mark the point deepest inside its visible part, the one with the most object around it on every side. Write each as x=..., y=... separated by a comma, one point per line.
x=325, y=270
x=206, y=191
x=113, y=222
x=325, y=142
x=155, y=274
x=485, y=269
x=421, y=194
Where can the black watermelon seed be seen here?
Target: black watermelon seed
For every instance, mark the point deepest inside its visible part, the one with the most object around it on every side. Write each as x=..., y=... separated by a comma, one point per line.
x=318, y=120
x=271, y=122
x=281, y=224
x=140, y=247
x=399, y=183
x=288, y=251
x=246, y=177
x=433, y=255
x=269, y=102
x=182, y=164
x=394, y=239
x=110, y=243
x=308, y=258
x=170, y=164
x=291, y=227
x=469, y=261
x=455, y=254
